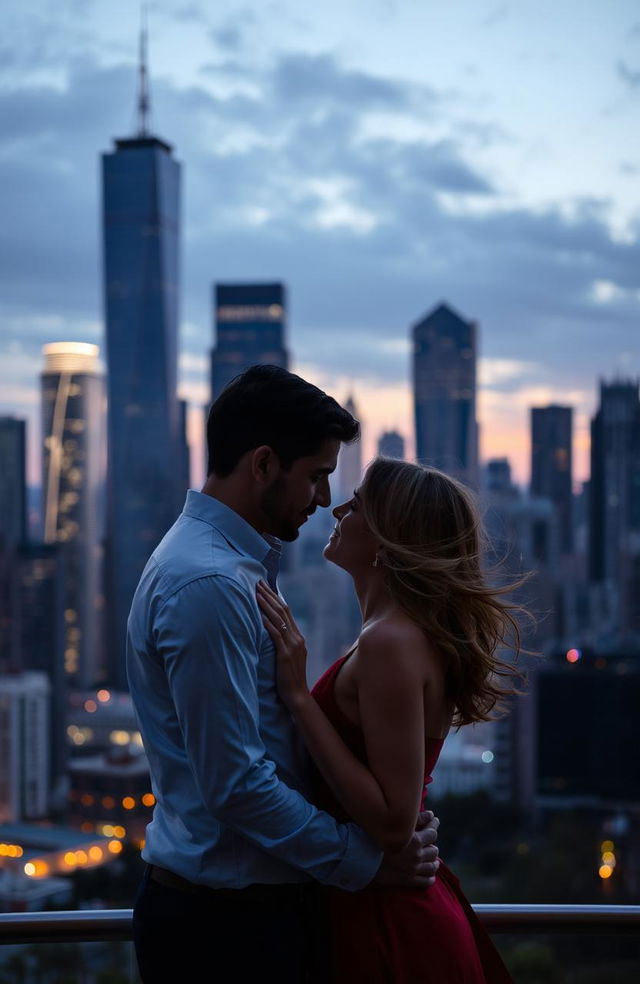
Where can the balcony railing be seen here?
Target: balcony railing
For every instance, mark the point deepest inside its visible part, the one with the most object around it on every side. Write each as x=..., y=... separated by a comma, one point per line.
x=93, y=925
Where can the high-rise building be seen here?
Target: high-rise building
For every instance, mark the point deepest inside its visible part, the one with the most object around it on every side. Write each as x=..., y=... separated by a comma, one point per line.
x=444, y=388
x=24, y=746
x=13, y=523
x=350, y=460
x=13, y=482
x=40, y=636
x=497, y=477
x=141, y=225
x=551, y=471
x=614, y=510
x=73, y=477
x=391, y=445
x=185, y=451
x=250, y=322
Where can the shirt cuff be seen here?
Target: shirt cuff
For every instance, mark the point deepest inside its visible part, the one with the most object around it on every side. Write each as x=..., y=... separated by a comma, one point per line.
x=360, y=863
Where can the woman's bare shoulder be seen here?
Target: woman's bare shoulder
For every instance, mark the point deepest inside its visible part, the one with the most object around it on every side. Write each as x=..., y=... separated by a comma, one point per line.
x=395, y=644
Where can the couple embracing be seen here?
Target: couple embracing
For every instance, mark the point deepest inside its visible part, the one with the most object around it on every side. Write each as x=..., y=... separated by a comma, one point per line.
x=289, y=840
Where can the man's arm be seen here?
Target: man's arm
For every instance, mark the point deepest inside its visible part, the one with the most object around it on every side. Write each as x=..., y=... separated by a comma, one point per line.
x=207, y=635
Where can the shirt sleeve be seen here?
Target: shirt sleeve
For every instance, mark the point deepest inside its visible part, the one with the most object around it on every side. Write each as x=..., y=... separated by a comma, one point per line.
x=208, y=637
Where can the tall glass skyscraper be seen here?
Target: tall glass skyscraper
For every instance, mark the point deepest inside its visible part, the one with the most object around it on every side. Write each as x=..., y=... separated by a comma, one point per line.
x=614, y=507
x=141, y=224
x=73, y=478
x=250, y=324
x=444, y=388
x=13, y=484
x=551, y=434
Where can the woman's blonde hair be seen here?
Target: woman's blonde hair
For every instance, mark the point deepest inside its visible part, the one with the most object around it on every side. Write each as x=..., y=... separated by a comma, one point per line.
x=432, y=541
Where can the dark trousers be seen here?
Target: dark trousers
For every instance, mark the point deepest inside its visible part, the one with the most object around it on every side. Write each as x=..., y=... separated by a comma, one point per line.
x=207, y=936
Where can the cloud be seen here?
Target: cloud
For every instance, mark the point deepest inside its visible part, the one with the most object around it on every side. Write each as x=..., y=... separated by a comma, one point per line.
x=496, y=16
x=628, y=75
x=286, y=177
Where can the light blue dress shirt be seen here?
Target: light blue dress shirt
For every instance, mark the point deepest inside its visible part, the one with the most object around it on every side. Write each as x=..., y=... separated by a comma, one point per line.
x=228, y=769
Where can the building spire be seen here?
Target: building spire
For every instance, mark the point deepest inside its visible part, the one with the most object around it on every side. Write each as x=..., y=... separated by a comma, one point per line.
x=143, y=80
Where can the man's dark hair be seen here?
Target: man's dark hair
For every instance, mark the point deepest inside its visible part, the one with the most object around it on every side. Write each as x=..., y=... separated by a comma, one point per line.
x=269, y=405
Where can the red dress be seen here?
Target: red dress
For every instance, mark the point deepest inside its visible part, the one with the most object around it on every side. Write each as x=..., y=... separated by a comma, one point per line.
x=388, y=935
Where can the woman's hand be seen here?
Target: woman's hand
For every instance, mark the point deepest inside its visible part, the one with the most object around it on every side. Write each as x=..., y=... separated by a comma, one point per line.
x=291, y=650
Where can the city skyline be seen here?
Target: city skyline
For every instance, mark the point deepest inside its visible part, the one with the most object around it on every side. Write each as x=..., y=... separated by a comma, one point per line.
x=376, y=166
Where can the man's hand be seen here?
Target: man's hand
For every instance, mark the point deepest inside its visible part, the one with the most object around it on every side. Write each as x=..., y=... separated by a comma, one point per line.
x=417, y=863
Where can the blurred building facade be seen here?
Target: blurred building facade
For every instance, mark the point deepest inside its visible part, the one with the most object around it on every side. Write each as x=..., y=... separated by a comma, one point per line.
x=391, y=444
x=444, y=390
x=24, y=746
x=13, y=481
x=250, y=329
x=73, y=481
x=13, y=524
x=614, y=513
x=551, y=465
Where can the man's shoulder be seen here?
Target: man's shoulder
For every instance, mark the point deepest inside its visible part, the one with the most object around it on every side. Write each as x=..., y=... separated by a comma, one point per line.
x=193, y=551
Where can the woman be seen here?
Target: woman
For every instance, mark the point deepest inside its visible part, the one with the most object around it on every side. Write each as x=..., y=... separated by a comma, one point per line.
x=376, y=721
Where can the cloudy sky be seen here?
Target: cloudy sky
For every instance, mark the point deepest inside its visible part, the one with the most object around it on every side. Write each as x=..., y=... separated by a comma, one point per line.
x=377, y=155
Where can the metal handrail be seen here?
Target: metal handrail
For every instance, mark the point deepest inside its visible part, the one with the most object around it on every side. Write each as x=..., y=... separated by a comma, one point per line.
x=90, y=925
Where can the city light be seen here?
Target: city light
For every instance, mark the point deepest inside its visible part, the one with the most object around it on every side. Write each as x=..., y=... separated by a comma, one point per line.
x=128, y=802
x=487, y=757
x=605, y=871
x=90, y=706
x=573, y=655
x=115, y=847
x=11, y=851
x=103, y=696
x=148, y=799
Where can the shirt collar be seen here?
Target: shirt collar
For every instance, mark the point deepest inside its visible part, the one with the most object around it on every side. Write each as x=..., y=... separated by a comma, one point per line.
x=240, y=534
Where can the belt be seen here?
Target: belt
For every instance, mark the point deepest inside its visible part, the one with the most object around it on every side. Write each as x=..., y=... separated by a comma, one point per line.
x=272, y=894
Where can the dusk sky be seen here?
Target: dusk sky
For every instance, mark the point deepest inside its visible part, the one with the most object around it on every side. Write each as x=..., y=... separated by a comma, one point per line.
x=378, y=156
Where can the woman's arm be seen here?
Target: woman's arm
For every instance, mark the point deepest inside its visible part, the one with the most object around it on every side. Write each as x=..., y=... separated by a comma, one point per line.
x=383, y=798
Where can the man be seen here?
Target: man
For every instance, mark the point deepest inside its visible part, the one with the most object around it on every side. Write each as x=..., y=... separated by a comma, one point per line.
x=235, y=848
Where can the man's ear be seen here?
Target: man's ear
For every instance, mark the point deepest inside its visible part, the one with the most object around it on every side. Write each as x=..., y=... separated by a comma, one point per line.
x=264, y=464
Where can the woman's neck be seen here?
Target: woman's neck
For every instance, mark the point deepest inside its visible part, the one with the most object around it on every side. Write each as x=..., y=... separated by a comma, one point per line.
x=373, y=596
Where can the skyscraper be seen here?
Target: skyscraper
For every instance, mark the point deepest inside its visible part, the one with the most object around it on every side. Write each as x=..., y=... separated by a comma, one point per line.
x=614, y=508
x=24, y=763
x=551, y=471
x=250, y=322
x=391, y=445
x=141, y=199
x=73, y=477
x=444, y=387
x=13, y=482
x=13, y=522
x=40, y=636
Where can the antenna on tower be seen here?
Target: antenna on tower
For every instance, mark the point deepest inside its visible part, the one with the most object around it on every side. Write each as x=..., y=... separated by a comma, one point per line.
x=143, y=79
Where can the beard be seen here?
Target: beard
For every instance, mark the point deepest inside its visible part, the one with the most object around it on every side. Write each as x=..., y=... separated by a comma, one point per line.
x=273, y=505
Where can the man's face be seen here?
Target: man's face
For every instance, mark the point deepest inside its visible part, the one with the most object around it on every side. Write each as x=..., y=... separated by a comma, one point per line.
x=295, y=494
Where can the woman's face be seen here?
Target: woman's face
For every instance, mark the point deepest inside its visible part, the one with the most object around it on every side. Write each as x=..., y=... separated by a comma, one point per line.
x=352, y=545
